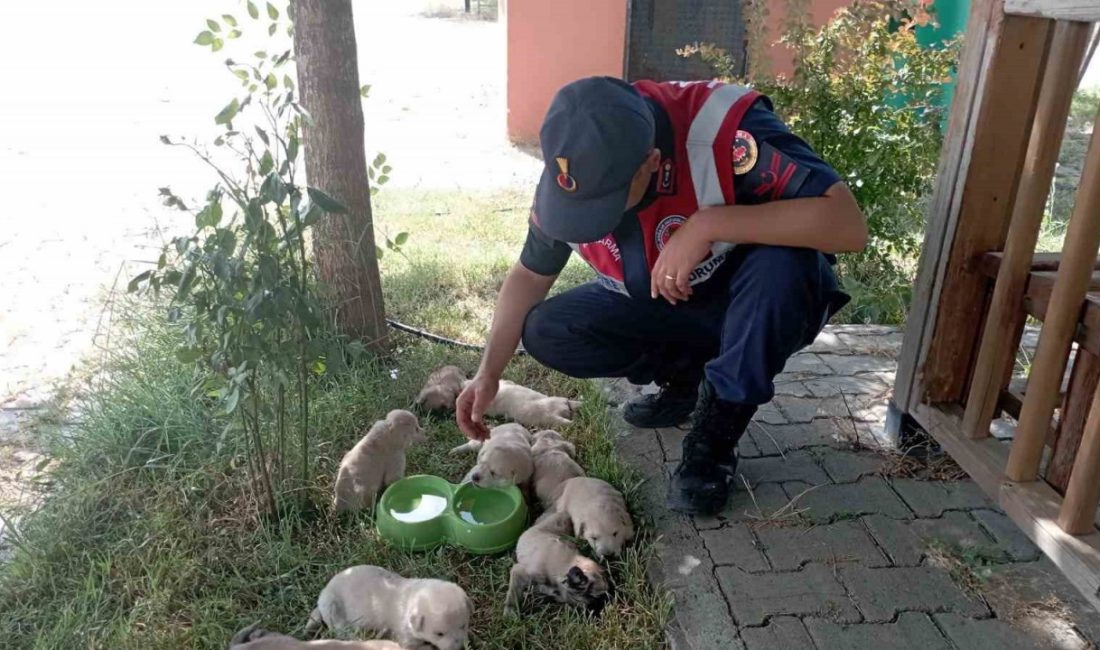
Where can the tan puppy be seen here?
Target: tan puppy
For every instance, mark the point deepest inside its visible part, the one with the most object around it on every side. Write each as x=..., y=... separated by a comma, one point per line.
x=554, y=465
x=418, y=613
x=530, y=408
x=252, y=638
x=442, y=389
x=376, y=461
x=598, y=512
x=502, y=460
x=552, y=564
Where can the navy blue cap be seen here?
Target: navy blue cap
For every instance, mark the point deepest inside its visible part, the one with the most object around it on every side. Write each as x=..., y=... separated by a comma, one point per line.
x=596, y=135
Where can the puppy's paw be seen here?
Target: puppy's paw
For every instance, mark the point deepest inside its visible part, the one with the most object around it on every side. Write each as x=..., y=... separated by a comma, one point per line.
x=469, y=447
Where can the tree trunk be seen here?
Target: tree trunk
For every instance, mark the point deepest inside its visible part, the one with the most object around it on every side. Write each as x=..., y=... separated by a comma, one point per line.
x=343, y=244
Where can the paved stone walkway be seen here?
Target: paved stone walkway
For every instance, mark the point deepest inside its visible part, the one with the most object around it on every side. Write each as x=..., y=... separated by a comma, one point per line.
x=834, y=542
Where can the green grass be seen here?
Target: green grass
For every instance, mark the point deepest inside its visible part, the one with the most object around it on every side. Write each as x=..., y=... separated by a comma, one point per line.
x=150, y=539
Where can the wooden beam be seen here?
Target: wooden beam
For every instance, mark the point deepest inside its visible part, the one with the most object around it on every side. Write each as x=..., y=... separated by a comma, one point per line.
x=990, y=263
x=1000, y=136
x=943, y=209
x=1086, y=11
x=996, y=354
x=1077, y=515
x=1060, y=324
x=1032, y=506
x=1076, y=405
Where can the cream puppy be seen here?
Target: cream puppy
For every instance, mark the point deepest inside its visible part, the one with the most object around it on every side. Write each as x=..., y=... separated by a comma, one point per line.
x=420, y=614
x=442, y=389
x=598, y=512
x=376, y=461
x=253, y=638
x=554, y=465
x=530, y=408
x=548, y=561
x=502, y=460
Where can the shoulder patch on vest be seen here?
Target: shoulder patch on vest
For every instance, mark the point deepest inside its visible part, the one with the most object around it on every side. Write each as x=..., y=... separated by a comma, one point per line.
x=775, y=176
x=744, y=153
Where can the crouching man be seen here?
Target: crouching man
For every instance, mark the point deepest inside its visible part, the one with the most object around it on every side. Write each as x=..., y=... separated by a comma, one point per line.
x=711, y=230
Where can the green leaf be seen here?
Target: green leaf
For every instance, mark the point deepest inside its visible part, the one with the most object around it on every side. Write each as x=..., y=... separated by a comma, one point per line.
x=401, y=238
x=228, y=113
x=229, y=20
x=379, y=160
x=242, y=75
x=378, y=251
x=319, y=367
x=271, y=29
x=260, y=54
x=267, y=163
x=213, y=25
x=252, y=10
x=204, y=38
x=370, y=173
x=209, y=216
x=288, y=82
x=165, y=140
x=186, y=280
x=138, y=279
x=292, y=149
x=232, y=399
x=216, y=45
x=273, y=189
x=236, y=33
x=272, y=12
x=364, y=90
x=327, y=203
x=270, y=81
x=383, y=179
x=263, y=135
x=188, y=354
x=386, y=169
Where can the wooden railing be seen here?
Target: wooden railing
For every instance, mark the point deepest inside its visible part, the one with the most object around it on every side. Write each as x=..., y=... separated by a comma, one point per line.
x=980, y=278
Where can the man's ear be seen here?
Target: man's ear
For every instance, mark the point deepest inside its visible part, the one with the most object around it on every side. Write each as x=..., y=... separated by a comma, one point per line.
x=653, y=160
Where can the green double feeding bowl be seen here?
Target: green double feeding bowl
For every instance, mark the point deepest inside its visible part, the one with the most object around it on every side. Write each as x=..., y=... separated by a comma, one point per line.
x=422, y=512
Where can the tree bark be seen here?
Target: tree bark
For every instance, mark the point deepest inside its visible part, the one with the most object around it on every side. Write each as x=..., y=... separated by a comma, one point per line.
x=343, y=244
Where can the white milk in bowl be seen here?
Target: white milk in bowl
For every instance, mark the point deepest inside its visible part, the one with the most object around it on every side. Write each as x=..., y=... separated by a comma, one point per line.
x=428, y=506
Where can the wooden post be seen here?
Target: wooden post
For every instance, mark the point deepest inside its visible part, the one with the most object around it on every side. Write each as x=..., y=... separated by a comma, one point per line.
x=1063, y=314
x=1083, y=382
x=976, y=205
x=996, y=353
x=1077, y=515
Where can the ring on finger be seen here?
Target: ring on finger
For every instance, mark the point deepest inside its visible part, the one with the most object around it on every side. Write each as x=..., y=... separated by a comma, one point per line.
x=670, y=277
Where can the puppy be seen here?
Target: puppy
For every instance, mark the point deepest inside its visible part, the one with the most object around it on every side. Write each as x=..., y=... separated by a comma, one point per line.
x=420, y=614
x=554, y=465
x=376, y=461
x=530, y=408
x=502, y=460
x=442, y=388
x=554, y=566
x=598, y=512
x=253, y=638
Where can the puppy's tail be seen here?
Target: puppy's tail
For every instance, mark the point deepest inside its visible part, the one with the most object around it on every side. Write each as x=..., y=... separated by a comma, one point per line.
x=315, y=621
x=250, y=633
x=471, y=446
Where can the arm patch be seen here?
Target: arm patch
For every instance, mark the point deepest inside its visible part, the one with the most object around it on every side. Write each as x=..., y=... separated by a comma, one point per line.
x=775, y=176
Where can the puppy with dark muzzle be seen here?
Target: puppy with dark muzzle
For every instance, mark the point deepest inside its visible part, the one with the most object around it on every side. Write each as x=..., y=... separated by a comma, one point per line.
x=551, y=564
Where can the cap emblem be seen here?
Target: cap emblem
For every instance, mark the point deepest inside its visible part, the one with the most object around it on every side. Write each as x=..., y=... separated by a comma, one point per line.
x=565, y=181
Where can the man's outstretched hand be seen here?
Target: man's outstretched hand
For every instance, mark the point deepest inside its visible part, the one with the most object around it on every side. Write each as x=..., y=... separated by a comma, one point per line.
x=472, y=404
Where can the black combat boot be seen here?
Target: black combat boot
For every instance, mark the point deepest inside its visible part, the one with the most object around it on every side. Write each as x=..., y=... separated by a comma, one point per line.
x=702, y=481
x=668, y=408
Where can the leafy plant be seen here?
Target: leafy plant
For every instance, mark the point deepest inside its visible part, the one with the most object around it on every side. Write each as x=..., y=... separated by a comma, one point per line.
x=867, y=97
x=242, y=284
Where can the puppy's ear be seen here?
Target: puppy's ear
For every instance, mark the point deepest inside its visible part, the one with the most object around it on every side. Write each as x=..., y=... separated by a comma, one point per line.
x=580, y=530
x=576, y=578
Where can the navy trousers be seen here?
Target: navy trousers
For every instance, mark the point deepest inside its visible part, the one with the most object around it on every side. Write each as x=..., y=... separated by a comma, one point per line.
x=765, y=303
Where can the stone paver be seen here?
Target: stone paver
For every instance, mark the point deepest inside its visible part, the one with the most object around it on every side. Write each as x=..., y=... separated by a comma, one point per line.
x=912, y=631
x=814, y=590
x=734, y=545
x=826, y=503
x=996, y=634
x=932, y=498
x=792, y=466
x=845, y=541
x=881, y=594
x=906, y=542
x=821, y=551
x=1008, y=535
x=784, y=632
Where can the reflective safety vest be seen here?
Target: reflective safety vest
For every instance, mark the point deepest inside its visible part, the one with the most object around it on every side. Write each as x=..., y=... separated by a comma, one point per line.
x=704, y=117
